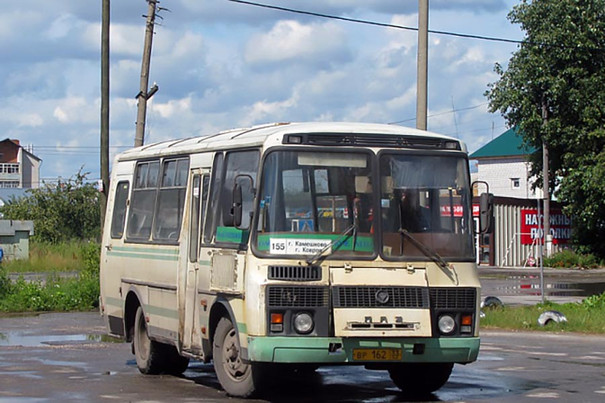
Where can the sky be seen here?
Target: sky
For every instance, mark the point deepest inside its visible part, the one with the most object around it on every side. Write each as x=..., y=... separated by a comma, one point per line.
x=220, y=64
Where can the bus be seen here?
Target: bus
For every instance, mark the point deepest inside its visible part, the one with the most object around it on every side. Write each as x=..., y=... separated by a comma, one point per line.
x=289, y=246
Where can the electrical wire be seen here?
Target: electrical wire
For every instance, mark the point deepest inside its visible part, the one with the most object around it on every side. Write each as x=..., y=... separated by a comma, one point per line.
x=379, y=24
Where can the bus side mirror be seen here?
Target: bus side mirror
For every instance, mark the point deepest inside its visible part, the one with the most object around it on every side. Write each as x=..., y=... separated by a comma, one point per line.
x=241, y=201
x=486, y=213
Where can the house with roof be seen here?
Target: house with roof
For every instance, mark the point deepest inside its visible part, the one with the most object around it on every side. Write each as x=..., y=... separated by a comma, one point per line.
x=19, y=171
x=517, y=236
x=19, y=168
x=503, y=164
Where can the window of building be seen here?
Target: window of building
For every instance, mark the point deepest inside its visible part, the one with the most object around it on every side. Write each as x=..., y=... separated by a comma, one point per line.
x=515, y=183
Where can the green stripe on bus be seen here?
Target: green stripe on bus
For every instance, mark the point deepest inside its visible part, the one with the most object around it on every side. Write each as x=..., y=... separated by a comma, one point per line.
x=114, y=302
x=145, y=253
x=159, y=311
x=242, y=328
x=149, y=309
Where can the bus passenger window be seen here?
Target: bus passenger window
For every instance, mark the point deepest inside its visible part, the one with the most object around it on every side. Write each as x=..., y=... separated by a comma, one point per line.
x=142, y=205
x=171, y=201
x=118, y=218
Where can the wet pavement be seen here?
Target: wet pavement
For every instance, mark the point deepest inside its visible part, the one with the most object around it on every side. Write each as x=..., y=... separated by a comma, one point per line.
x=65, y=357
x=522, y=286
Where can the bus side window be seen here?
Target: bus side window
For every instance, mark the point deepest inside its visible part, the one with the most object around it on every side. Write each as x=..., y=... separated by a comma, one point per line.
x=142, y=205
x=237, y=164
x=118, y=218
x=215, y=187
x=198, y=212
x=171, y=200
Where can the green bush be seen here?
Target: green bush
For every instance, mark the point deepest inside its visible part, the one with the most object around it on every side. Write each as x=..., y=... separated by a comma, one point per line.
x=79, y=291
x=567, y=258
x=61, y=212
x=5, y=282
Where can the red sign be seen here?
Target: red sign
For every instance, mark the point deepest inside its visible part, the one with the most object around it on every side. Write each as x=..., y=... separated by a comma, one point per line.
x=560, y=226
x=446, y=211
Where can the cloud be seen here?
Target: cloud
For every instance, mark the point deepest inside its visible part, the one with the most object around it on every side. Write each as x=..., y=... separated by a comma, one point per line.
x=290, y=41
x=220, y=65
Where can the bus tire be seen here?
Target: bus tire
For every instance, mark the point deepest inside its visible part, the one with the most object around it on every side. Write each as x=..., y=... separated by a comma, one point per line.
x=233, y=373
x=177, y=364
x=422, y=378
x=149, y=354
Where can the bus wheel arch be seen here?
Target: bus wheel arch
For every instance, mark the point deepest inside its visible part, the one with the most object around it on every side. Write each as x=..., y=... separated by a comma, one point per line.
x=220, y=309
x=131, y=304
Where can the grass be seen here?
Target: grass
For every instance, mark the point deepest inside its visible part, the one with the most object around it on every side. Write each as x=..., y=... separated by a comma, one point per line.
x=80, y=292
x=51, y=258
x=587, y=316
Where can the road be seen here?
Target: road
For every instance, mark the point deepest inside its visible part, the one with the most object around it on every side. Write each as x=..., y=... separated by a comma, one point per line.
x=64, y=357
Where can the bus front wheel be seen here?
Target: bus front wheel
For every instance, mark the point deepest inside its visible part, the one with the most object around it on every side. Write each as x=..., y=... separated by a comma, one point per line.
x=235, y=375
x=420, y=378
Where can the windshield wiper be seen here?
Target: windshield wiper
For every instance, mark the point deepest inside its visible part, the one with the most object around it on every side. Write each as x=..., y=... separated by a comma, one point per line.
x=431, y=254
x=338, y=242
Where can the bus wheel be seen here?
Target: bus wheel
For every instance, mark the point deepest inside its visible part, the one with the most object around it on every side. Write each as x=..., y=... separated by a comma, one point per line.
x=177, y=364
x=420, y=378
x=234, y=374
x=149, y=354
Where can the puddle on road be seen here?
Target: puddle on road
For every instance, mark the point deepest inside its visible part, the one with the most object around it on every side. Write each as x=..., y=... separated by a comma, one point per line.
x=531, y=286
x=14, y=339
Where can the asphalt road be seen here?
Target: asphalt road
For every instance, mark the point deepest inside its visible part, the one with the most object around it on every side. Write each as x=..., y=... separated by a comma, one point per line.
x=64, y=357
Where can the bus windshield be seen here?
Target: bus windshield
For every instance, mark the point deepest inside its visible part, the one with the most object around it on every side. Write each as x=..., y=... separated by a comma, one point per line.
x=322, y=203
x=426, y=198
x=316, y=202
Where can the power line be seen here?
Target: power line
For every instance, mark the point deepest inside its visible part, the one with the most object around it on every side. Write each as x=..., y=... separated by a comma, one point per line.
x=440, y=113
x=379, y=24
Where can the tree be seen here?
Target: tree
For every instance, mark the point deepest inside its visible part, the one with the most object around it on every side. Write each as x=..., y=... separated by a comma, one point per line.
x=559, y=69
x=63, y=211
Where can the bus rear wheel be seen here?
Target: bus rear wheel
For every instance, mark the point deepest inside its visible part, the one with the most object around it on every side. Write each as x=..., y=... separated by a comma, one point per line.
x=422, y=378
x=237, y=377
x=148, y=353
x=154, y=357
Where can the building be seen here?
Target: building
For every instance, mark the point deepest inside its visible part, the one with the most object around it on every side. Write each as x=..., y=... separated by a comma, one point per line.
x=19, y=168
x=14, y=239
x=503, y=164
x=517, y=236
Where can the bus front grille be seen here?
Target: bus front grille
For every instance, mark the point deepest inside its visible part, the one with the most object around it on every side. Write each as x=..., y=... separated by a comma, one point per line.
x=295, y=273
x=380, y=297
x=309, y=297
x=453, y=298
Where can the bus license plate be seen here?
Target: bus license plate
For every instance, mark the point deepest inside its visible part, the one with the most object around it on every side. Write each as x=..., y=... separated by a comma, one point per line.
x=377, y=354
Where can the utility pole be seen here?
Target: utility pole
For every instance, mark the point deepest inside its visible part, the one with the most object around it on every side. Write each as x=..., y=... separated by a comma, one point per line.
x=144, y=94
x=422, y=64
x=104, y=108
x=546, y=184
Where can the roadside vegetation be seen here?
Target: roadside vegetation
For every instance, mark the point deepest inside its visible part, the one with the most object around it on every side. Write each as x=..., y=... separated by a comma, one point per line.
x=78, y=291
x=587, y=316
x=64, y=250
x=569, y=259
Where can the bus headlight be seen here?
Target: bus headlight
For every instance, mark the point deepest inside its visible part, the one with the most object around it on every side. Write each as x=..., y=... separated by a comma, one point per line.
x=303, y=323
x=446, y=324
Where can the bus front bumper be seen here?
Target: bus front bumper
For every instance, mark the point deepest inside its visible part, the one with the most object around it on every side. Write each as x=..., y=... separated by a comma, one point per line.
x=336, y=350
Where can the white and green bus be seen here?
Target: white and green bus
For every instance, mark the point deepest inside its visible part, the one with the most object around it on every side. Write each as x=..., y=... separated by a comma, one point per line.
x=292, y=246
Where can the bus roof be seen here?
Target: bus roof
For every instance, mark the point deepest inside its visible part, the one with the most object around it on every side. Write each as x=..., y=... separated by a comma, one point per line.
x=375, y=135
